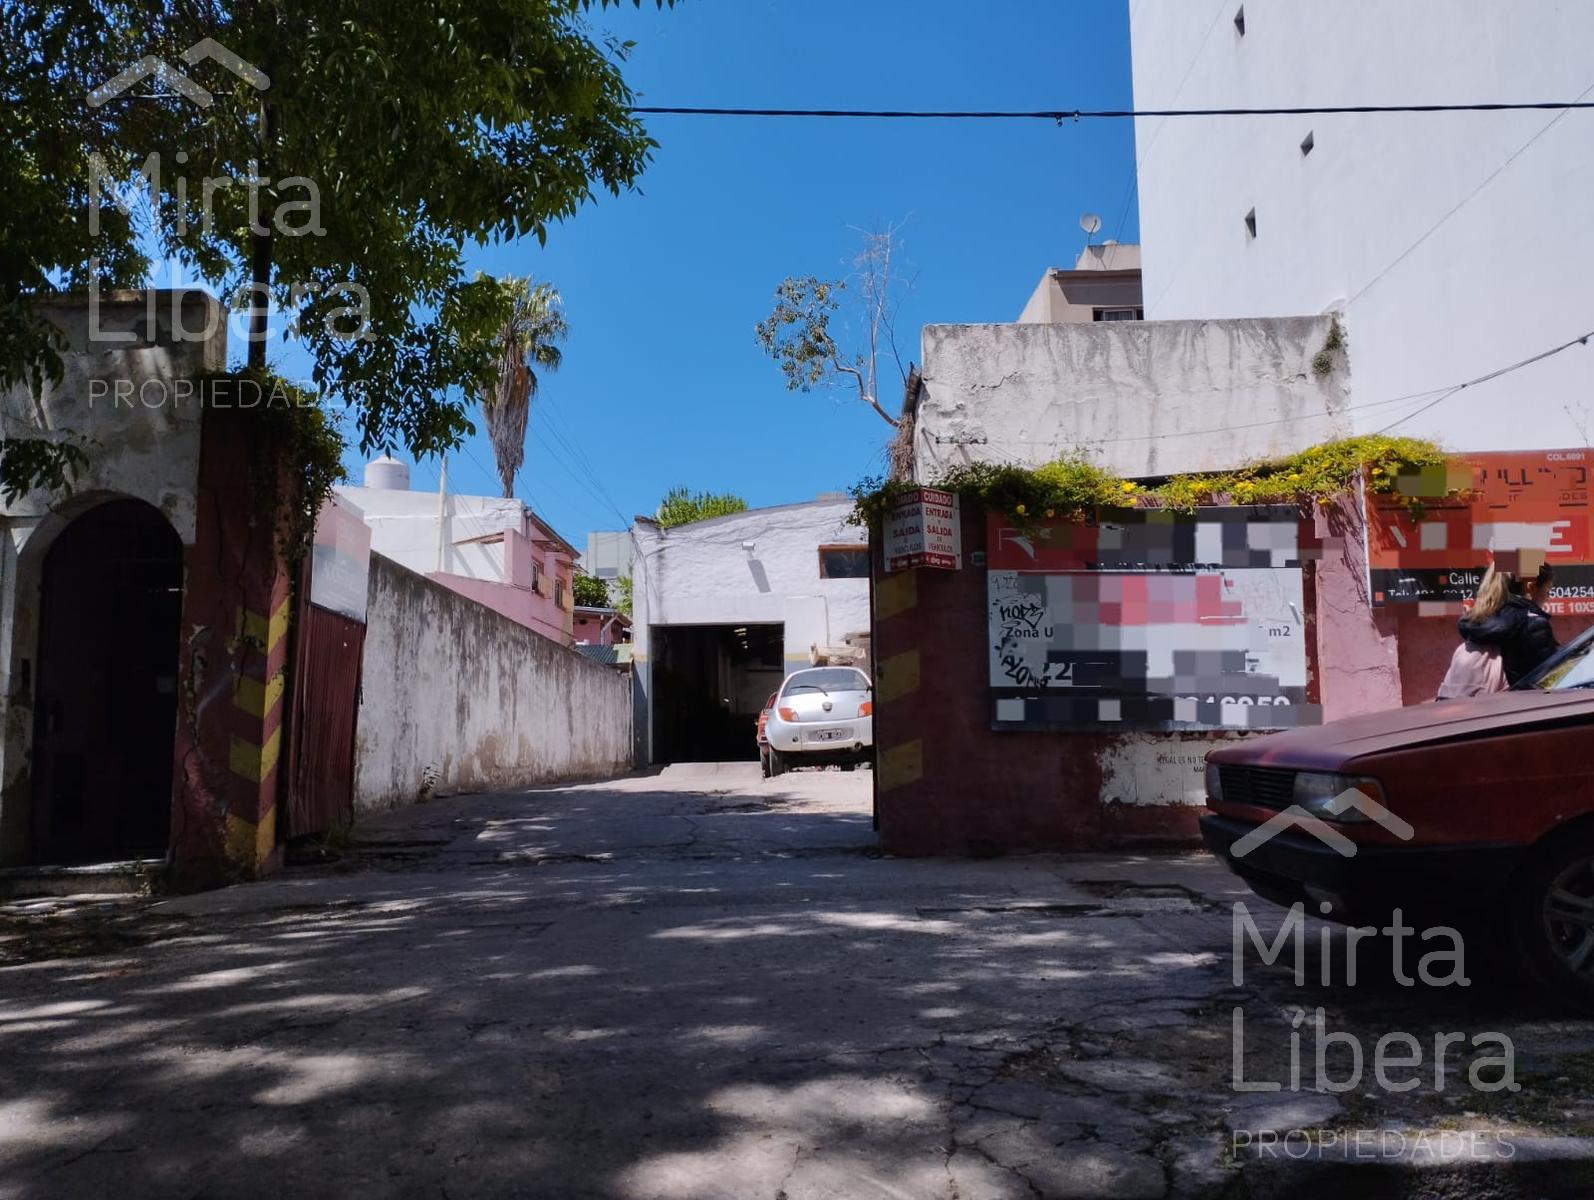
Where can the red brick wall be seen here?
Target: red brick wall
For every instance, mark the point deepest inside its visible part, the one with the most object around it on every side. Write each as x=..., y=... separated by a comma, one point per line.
x=230, y=743
x=946, y=784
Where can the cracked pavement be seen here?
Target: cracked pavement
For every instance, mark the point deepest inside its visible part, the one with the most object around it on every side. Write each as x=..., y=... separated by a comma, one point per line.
x=703, y=985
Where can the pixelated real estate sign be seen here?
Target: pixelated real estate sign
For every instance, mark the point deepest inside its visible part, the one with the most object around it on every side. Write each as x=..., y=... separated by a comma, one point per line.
x=1150, y=619
x=923, y=529
x=1522, y=507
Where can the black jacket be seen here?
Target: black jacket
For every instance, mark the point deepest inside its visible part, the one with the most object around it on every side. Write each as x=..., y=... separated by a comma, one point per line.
x=1520, y=630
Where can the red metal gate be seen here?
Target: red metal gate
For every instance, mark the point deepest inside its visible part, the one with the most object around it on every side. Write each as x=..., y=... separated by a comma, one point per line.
x=326, y=691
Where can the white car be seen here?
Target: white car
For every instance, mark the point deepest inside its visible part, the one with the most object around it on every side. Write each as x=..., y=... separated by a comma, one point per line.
x=822, y=716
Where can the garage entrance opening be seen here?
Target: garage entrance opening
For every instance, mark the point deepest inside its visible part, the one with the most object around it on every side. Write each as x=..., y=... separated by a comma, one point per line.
x=106, y=704
x=709, y=683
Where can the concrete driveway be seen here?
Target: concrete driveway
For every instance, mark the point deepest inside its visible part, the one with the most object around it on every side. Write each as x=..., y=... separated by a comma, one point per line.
x=705, y=985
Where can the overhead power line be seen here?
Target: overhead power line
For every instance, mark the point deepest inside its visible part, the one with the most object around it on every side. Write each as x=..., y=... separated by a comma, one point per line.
x=1060, y=116
x=1516, y=366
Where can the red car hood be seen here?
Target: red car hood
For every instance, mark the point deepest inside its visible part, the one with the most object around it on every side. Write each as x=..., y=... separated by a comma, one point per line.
x=1327, y=746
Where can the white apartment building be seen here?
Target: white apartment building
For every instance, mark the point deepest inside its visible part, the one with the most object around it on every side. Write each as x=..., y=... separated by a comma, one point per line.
x=1454, y=244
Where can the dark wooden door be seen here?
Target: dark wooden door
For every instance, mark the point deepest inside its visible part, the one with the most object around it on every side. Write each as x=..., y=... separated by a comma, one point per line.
x=105, y=708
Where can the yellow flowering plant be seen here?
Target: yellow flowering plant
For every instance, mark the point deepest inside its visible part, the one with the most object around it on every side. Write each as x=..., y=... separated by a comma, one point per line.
x=1074, y=488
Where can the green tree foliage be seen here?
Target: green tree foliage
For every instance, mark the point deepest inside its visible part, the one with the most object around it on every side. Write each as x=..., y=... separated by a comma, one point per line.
x=391, y=137
x=681, y=506
x=623, y=603
x=530, y=339
x=591, y=592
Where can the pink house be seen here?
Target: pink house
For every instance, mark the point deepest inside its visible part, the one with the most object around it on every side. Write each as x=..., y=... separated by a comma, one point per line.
x=600, y=627
x=498, y=552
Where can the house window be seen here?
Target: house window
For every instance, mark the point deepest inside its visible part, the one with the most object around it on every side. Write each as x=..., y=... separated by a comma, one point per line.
x=844, y=562
x=1119, y=314
x=559, y=593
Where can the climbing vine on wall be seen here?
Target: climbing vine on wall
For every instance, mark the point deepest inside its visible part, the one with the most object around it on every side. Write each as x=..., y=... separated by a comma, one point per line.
x=298, y=450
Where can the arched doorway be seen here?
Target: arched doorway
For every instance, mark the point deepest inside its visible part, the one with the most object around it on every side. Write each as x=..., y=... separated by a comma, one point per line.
x=110, y=607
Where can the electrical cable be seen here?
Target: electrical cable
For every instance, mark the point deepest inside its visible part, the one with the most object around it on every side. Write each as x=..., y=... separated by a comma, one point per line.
x=1059, y=116
x=1540, y=357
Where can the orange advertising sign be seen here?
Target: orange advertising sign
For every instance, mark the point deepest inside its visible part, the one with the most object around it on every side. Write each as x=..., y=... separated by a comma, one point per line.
x=1526, y=507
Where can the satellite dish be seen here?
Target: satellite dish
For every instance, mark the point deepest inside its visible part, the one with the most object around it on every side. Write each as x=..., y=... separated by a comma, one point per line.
x=1090, y=223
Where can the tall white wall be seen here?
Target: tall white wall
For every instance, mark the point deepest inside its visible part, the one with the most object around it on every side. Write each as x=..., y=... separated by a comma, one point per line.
x=455, y=697
x=1455, y=243
x=1143, y=398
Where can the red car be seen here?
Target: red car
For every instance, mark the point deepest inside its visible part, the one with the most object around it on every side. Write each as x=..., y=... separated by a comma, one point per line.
x=763, y=742
x=1455, y=811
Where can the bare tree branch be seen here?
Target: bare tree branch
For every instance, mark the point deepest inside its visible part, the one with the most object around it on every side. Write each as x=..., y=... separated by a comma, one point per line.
x=797, y=334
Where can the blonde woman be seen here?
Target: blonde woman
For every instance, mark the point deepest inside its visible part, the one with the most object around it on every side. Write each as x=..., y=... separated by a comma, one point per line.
x=1505, y=624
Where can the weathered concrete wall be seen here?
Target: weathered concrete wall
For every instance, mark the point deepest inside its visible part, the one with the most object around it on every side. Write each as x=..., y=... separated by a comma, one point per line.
x=128, y=393
x=456, y=697
x=1139, y=397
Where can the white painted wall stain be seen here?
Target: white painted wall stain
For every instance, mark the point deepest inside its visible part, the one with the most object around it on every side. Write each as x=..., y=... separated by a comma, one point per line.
x=1154, y=768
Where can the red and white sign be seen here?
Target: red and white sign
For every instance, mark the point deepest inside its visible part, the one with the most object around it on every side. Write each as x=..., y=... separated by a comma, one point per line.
x=923, y=529
x=1533, y=504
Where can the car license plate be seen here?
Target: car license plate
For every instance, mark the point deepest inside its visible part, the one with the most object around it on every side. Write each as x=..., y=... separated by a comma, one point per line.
x=829, y=735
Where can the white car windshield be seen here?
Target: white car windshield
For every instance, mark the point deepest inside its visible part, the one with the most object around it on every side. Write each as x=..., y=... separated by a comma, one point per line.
x=835, y=679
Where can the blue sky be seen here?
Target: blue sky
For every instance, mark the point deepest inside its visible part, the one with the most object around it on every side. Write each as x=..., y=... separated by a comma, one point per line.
x=663, y=382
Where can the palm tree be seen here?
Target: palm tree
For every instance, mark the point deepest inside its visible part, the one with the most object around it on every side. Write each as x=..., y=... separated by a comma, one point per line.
x=528, y=342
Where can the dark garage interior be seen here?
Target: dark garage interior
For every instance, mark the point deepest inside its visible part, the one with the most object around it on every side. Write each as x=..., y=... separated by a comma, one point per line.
x=709, y=683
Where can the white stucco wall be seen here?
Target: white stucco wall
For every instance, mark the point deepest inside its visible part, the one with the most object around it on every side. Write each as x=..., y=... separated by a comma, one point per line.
x=142, y=441
x=700, y=574
x=404, y=527
x=129, y=393
x=1456, y=243
x=455, y=697
x=1143, y=398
